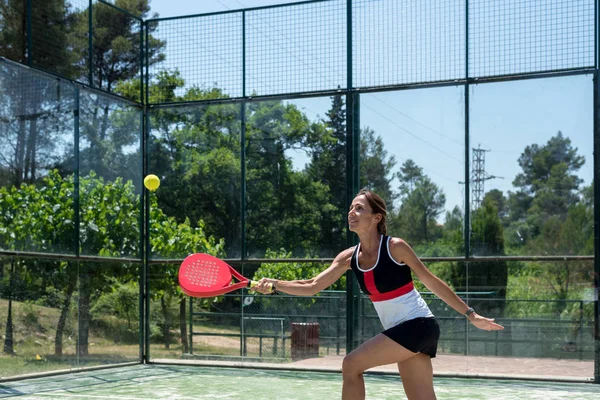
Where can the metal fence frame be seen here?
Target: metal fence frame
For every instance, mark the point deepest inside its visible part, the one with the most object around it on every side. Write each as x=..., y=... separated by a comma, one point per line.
x=352, y=95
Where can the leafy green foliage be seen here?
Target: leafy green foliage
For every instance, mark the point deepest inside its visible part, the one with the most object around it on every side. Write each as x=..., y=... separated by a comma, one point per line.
x=121, y=301
x=547, y=187
x=38, y=217
x=41, y=217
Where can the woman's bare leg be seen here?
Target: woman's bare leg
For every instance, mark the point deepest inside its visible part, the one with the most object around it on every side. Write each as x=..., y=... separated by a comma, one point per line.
x=417, y=377
x=376, y=351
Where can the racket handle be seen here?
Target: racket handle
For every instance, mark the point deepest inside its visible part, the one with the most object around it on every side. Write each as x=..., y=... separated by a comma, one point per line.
x=254, y=283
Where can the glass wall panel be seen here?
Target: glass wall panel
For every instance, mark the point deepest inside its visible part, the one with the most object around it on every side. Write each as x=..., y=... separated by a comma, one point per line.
x=170, y=332
x=108, y=313
x=532, y=167
x=38, y=316
x=245, y=326
x=313, y=327
x=547, y=310
x=110, y=167
x=195, y=151
x=412, y=155
x=36, y=161
x=452, y=346
x=296, y=178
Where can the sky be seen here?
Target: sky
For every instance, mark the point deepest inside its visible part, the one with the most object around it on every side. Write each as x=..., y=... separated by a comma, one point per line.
x=175, y=8
x=426, y=125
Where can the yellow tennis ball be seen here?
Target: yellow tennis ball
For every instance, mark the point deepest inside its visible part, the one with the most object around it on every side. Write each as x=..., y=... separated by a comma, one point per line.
x=151, y=182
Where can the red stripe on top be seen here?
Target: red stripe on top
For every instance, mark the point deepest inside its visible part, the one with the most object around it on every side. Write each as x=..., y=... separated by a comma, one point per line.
x=376, y=296
x=370, y=283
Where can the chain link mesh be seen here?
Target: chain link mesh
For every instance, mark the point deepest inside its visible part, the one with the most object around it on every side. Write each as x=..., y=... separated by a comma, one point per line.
x=299, y=48
x=407, y=42
x=206, y=52
x=519, y=37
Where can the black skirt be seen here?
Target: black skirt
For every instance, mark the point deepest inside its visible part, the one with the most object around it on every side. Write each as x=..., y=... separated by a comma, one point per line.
x=419, y=335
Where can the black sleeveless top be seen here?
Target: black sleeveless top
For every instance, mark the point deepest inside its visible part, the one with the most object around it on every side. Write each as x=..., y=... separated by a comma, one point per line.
x=386, y=280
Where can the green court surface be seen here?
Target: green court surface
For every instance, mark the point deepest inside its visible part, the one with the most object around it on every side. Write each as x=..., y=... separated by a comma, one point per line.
x=189, y=382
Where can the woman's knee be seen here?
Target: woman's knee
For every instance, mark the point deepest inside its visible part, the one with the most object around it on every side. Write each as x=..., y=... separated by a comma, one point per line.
x=351, y=366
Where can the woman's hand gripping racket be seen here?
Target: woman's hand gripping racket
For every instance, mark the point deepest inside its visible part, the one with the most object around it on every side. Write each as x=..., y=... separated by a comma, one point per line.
x=202, y=275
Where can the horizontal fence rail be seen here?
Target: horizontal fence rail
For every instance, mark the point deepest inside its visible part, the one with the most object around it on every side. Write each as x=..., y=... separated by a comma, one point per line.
x=236, y=261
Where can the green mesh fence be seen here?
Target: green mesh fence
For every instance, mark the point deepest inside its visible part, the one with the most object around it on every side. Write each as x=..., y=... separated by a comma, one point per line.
x=59, y=37
x=299, y=48
x=13, y=39
x=407, y=42
x=116, y=52
x=205, y=52
x=522, y=37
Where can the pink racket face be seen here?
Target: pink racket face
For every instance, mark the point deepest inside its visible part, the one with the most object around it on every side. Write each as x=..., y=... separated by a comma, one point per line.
x=201, y=274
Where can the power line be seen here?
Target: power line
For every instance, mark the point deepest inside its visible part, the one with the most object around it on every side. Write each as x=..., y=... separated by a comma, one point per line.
x=418, y=122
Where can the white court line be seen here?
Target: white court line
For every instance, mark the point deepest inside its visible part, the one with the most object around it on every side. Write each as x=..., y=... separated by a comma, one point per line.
x=86, y=396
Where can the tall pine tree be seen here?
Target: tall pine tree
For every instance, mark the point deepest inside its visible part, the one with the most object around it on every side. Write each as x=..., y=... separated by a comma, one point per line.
x=328, y=166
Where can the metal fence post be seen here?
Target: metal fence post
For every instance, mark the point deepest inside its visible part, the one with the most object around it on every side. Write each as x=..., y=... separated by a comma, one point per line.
x=596, y=224
x=29, y=28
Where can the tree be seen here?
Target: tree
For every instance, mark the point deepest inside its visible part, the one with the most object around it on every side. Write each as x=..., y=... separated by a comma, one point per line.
x=116, y=42
x=548, y=185
x=549, y=214
x=376, y=167
x=291, y=271
x=35, y=117
x=105, y=127
x=409, y=175
x=487, y=239
x=298, y=204
x=454, y=224
x=51, y=19
x=34, y=112
x=328, y=166
x=538, y=165
x=500, y=202
x=40, y=217
x=200, y=154
x=573, y=236
x=13, y=30
x=422, y=202
x=170, y=239
x=8, y=333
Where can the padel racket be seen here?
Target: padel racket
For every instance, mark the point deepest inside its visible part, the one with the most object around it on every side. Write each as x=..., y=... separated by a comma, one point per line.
x=203, y=275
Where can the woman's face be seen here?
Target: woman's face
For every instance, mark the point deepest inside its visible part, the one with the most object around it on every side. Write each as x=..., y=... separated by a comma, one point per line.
x=361, y=217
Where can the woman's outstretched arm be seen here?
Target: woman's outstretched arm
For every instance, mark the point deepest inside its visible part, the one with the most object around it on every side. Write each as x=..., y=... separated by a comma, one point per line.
x=309, y=287
x=402, y=252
